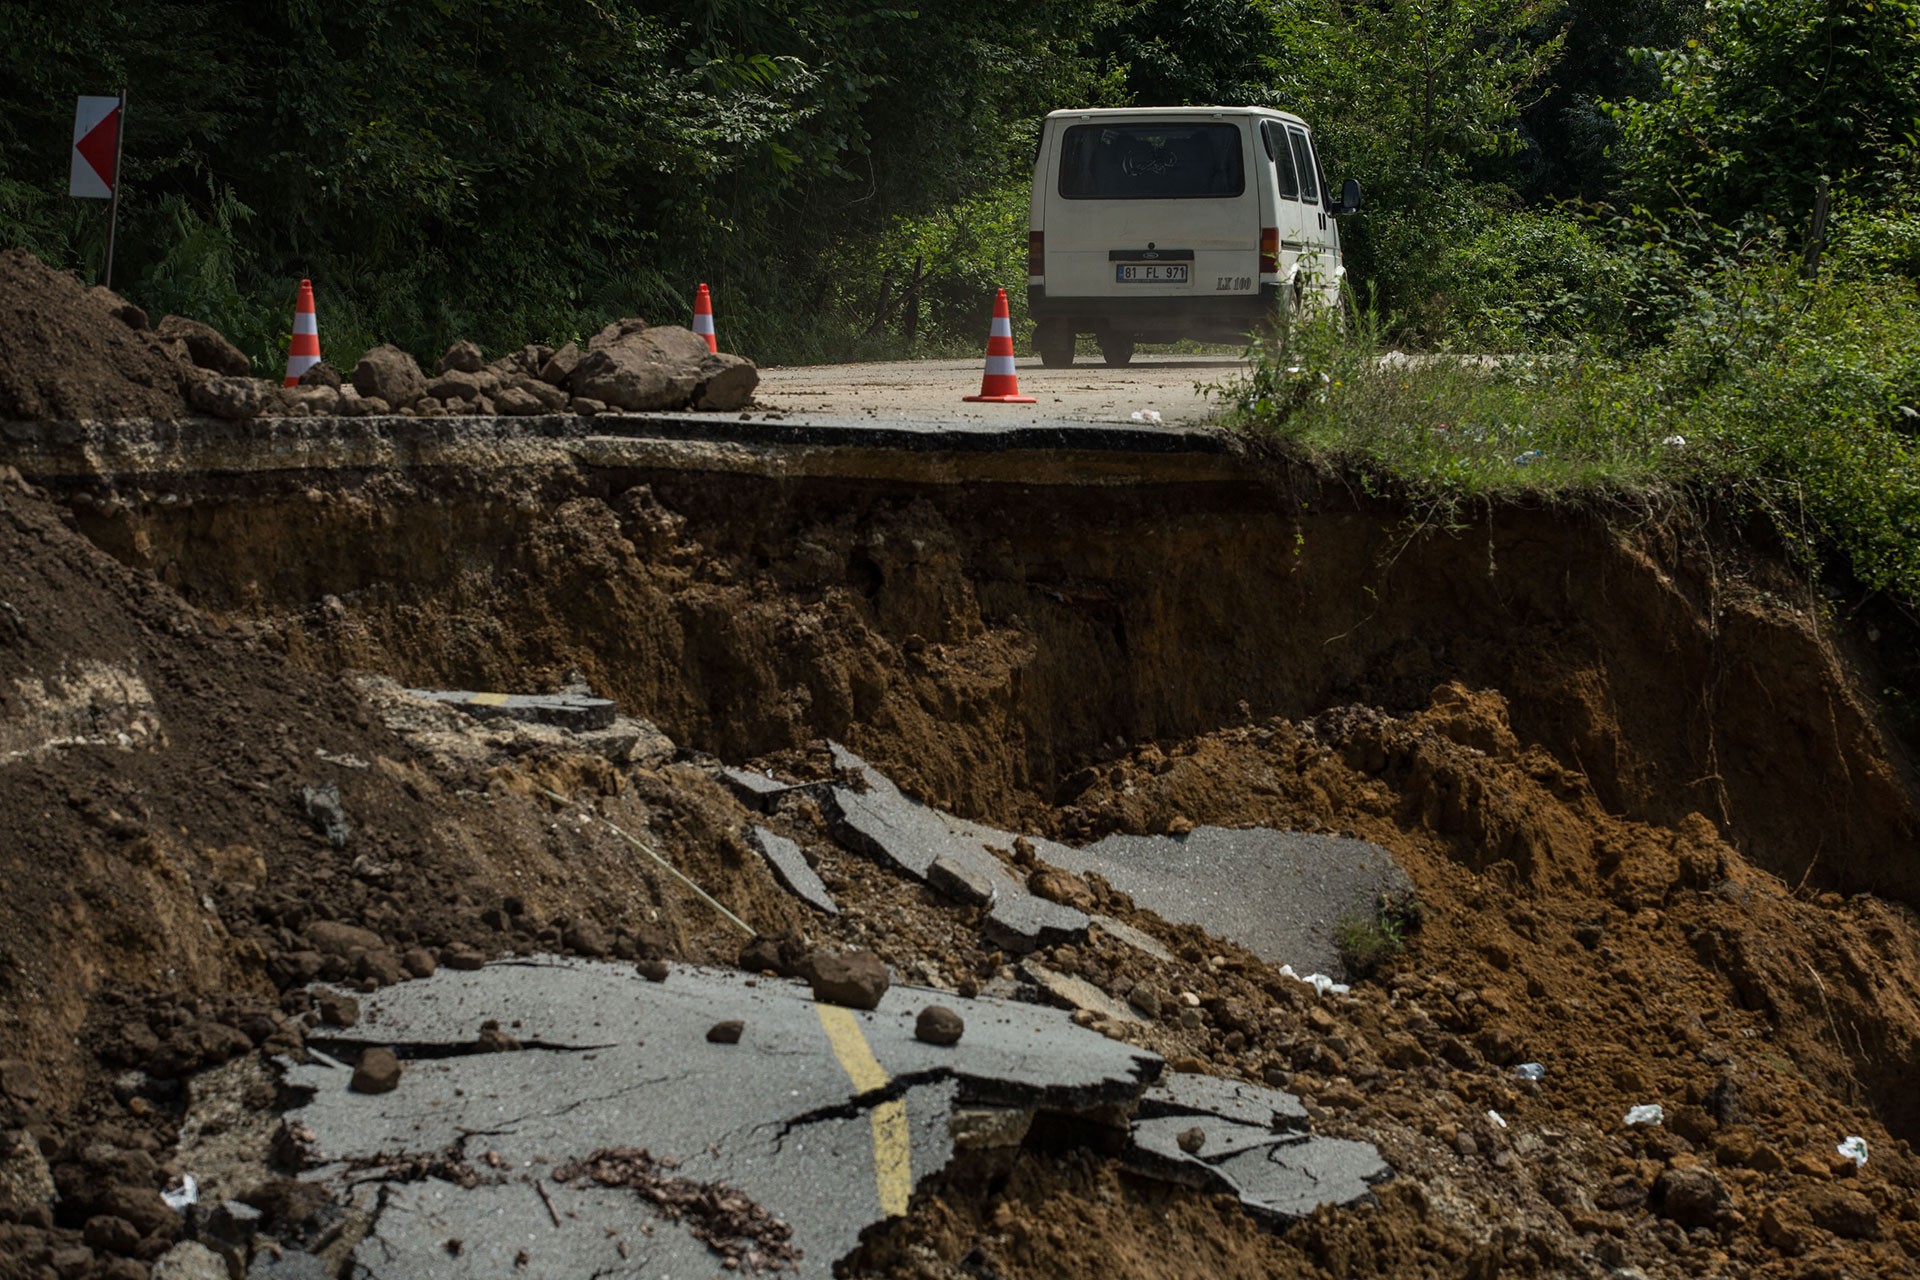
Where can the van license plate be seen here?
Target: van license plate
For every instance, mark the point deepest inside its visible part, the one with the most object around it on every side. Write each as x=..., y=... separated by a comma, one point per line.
x=1150, y=273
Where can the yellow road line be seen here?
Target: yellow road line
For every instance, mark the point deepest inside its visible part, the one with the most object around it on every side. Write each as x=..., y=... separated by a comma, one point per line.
x=892, y=1146
x=488, y=700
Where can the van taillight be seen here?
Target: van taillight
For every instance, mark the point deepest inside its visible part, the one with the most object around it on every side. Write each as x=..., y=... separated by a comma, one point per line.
x=1036, y=253
x=1269, y=251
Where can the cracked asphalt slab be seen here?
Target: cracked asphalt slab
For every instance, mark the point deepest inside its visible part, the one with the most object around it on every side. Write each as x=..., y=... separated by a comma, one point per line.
x=1280, y=894
x=825, y=1118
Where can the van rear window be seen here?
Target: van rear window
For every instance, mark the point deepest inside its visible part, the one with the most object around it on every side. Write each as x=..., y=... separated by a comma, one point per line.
x=1149, y=161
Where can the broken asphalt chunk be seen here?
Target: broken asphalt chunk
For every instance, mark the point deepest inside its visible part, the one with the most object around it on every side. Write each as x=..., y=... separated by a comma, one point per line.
x=561, y=710
x=885, y=825
x=790, y=868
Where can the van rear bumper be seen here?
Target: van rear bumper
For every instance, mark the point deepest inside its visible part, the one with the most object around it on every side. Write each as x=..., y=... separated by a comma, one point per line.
x=1158, y=319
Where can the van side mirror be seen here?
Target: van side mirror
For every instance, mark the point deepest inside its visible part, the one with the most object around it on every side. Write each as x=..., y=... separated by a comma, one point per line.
x=1349, y=198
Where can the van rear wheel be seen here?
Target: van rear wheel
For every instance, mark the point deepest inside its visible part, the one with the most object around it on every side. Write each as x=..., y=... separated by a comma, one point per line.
x=1116, y=348
x=1054, y=342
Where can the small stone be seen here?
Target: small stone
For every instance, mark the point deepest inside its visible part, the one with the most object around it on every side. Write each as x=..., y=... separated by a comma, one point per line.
x=1191, y=1140
x=458, y=955
x=1844, y=1212
x=419, y=962
x=381, y=966
x=1145, y=999
x=1063, y=887
x=378, y=1072
x=463, y=357
x=339, y=1010
x=856, y=979
x=1187, y=1065
x=109, y=1234
x=333, y=938
x=322, y=375
x=653, y=969
x=938, y=1024
x=587, y=938
x=1691, y=1197
x=494, y=1040
x=190, y=1260
x=727, y=1032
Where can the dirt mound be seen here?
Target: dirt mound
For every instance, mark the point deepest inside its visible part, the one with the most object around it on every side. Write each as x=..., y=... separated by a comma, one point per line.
x=65, y=357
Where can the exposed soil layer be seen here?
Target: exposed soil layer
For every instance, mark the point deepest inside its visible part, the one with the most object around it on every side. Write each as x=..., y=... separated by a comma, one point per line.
x=1631, y=773
x=987, y=644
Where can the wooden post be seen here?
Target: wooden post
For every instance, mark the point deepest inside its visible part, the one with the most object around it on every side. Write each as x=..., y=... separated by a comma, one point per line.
x=1817, y=233
x=113, y=201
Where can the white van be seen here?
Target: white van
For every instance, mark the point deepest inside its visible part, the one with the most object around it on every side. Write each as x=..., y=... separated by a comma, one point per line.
x=1152, y=224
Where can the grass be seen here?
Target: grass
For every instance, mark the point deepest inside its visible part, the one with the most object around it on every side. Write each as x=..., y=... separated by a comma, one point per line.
x=1367, y=941
x=1796, y=401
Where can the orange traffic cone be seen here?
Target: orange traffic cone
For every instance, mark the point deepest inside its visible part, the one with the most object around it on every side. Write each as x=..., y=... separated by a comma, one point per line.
x=1000, y=385
x=304, y=351
x=703, y=317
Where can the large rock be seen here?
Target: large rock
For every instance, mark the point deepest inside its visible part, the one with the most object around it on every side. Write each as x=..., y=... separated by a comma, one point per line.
x=462, y=357
x=856, y=979
x=387, y=373
x=204, y=346
x=665, y=367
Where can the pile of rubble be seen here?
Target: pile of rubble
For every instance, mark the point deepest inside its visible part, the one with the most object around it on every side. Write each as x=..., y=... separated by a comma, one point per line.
x=628, y=366
x=71, y=353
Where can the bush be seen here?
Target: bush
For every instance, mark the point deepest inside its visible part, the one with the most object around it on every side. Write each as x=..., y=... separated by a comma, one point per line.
x=1792, y=399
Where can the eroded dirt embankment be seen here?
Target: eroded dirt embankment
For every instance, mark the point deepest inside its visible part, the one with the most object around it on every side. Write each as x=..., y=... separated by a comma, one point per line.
x=1629, y=772
x=989, y=642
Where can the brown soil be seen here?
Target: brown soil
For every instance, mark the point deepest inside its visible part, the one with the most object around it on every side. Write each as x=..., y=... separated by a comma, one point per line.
x=63, y=356
x=1634, y=775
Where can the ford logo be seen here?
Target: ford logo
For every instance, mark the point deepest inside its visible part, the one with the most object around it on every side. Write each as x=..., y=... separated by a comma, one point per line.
x=1149, y=254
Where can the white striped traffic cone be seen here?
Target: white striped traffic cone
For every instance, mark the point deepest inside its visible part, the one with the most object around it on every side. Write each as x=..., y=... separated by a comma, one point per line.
x=703, y=318
x=1000, y=385
x=304, y=351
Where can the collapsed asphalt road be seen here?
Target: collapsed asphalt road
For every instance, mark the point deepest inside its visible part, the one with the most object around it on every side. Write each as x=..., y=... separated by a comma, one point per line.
x=771, y=1153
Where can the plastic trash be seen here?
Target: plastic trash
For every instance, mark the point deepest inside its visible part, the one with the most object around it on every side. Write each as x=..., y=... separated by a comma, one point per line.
x=1854, y=1149
x=1675, y=441
x=1320, y=982
x=1498, y=1121
x=1527, y=459
x=1530, y=1071
x=1146, y=415
x=185, y=1196
x=1647, y=1113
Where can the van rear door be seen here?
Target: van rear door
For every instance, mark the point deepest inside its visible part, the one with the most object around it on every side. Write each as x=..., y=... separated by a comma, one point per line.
x=1153, y=208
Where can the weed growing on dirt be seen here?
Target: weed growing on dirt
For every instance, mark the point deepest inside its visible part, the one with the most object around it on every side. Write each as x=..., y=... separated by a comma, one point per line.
x=1369, y=940
x=1792, y=399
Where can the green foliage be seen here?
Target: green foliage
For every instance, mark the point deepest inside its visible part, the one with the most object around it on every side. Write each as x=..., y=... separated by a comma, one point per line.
x=1367, y=941
x=1771, y=97
x=1792, y=399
